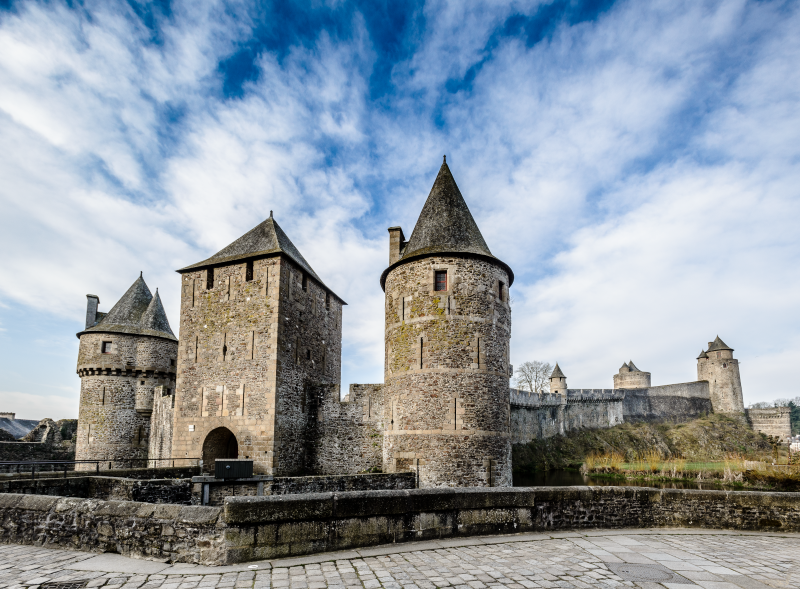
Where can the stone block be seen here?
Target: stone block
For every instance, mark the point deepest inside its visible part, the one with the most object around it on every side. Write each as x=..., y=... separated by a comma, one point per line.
x=199, y=514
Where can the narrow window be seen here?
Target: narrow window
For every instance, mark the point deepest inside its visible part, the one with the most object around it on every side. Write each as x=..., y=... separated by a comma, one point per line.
x=305, y=282
x=440, y=280
x=327, y=301
x=209, y=278
x=308, y=354
x=105, y=348
x=421, y=346
x=500, y=289
x=172, y=361
x=718, y=353
x=224, y=346
x=141, y=382
x=403, y=310
x=248, y=271
x=104, y=396
x=196, y=346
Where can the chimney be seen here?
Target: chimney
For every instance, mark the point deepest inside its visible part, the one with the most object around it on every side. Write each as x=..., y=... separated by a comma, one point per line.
x=709, y=345
x=92, y=301
x=396, y=243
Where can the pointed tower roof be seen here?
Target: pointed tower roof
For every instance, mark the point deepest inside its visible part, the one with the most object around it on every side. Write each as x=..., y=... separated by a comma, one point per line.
x=154, y=320
x=624, y=368
x=718, y=345
x=557, y=372
x=265, y=240
x=632, y=366
x=446, y=226
x=136, y=313
x=702, y=355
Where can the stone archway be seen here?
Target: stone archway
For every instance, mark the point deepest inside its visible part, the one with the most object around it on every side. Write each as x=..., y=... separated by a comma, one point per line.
x=219, y=443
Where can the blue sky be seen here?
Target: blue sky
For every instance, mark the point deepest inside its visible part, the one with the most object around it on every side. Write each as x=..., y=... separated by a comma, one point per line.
x=636, y=163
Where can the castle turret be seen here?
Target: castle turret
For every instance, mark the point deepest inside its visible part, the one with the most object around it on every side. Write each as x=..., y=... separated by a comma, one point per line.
x=630, y=377
x=558, y=382
x=259, y=330
x=718, y=366
x=123, y=356
x=448, y=324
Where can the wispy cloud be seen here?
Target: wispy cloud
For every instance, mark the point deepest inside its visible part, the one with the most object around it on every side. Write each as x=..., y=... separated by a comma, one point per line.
x=635, y=163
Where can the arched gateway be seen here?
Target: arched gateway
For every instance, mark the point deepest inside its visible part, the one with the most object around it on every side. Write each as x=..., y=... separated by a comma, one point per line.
x=219, y=443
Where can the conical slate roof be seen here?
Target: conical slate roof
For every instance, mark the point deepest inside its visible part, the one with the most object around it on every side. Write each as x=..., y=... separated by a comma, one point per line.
x=136, y=313
x=632, y=366
x=624, y=368
x=702, y=355
x=155, y=318
x=557, y=372
x=266, y=238
x=446, y=226
x=718, y=345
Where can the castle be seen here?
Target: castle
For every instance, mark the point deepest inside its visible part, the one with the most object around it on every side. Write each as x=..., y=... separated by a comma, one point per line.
x=257, y=369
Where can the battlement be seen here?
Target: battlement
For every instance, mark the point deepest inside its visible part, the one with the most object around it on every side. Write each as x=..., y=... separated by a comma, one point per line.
x=520, y=398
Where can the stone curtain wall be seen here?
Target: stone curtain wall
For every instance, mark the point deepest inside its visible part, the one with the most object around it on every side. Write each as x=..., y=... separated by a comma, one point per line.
x=674, y=402
x=161, y=427
x=347, y=434
x=446, y=394
x=142, y=530
x=772, y=422
x=538, y=416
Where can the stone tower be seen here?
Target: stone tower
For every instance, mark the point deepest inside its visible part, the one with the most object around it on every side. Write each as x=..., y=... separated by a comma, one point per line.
x=558, y=382
x=630, y=377
x=259, y=331
x=718, y=366
x=448, y=325
x=123, y=356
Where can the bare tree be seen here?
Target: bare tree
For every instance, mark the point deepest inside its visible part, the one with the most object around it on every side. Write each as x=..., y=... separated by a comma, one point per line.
x=534, y=376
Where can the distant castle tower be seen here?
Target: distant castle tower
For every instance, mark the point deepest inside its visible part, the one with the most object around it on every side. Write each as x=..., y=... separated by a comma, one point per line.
x=448, y=325
x=123, y=356
x=558, y=382
x=259, y=330
x=718, y=366
x=630, y=377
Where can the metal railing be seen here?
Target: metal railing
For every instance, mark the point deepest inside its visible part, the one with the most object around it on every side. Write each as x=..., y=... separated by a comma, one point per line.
x=20, y=466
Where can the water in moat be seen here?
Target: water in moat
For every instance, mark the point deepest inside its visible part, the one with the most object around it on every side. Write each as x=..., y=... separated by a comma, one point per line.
x=570, y=478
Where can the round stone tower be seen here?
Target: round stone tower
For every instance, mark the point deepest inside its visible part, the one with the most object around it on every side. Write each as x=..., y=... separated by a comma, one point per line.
x=448, y=326
x=123, y=356
x=718, y=366
x=558, y=382
x=630, y=377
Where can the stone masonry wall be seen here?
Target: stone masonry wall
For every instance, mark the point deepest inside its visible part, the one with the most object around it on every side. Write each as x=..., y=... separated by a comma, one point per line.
x=175, y=533
x=117, y=394
x=772, y=422
x=175, y=491
x=446, y=393
x=675, y=402
x=539, y=416
x=347, y=437
x=290, y=525
x=160, y=443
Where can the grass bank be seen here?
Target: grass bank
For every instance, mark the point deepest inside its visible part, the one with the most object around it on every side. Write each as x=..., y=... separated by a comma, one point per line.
x=708, y=439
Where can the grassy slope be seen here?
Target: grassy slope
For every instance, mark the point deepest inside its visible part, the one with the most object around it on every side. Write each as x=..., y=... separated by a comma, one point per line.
x=706, y=439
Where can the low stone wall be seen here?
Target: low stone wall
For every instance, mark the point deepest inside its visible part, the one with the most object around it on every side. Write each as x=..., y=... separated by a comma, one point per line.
x=263, y=486
x=178, y=472
x=143, y=530
x=673, y=402
x=286, y=525
x=174, y=491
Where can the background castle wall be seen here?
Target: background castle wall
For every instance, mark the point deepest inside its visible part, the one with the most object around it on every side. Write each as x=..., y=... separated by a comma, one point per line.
x=675, y=402
x=538, y=416
x=160, y=444
x=772, y=422
x=113, y=387
x=446, y=405
x=348, y=434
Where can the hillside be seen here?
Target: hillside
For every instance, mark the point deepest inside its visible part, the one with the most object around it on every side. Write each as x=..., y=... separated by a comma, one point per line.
x=706, y=439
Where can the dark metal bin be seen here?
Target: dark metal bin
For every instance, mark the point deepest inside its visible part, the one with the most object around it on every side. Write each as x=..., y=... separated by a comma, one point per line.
x=233, y=468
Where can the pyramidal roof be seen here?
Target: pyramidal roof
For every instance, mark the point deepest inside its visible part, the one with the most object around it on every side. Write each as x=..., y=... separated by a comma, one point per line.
x=446, y=225
x=557, y=372
x=702, y=355
x=624, y=368
x=265, y=239
x=138, y=312
x=632, y=366
x=718, y=345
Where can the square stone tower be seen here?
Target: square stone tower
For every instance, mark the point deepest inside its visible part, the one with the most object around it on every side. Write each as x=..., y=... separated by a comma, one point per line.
x=259, y=330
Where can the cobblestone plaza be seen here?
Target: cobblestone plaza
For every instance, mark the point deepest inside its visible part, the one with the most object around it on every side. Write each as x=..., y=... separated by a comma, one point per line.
x=651, y=559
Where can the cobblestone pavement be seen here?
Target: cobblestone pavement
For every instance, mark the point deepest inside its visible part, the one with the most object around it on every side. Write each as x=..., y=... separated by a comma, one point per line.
x=676, y=558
